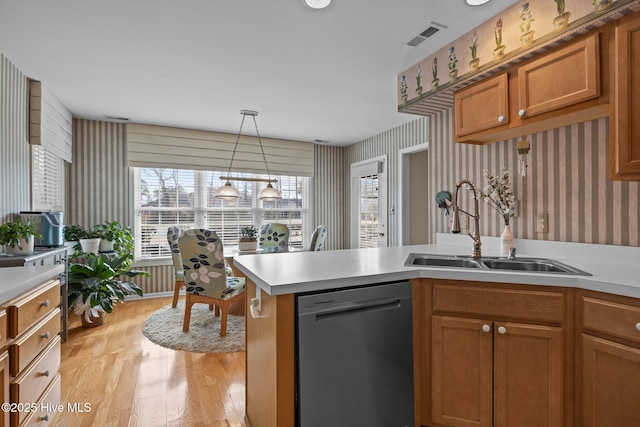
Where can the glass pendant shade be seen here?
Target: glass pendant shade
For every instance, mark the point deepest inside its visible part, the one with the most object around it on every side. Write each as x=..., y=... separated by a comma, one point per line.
x=269, y=193
x=228, y=191
x=317, y=4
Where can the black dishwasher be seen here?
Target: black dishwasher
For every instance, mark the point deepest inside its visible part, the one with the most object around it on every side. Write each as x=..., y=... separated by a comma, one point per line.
x=354, y=357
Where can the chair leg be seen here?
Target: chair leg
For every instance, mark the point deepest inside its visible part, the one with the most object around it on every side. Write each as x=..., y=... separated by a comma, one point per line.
x=223, y=320
x=217, y=310
x=187, y=313
x=210, y=307
x=176, y=292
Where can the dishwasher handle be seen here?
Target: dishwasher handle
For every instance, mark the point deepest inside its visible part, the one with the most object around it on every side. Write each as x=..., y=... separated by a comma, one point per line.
x=359, y=309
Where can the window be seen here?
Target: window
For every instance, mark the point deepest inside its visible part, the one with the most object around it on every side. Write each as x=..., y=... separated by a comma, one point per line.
x=186, y=199
x=47, y=180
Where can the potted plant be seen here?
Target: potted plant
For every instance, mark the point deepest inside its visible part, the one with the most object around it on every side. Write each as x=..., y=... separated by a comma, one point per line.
x=115, y=237
x=95, y=286
x=248, y=241
x=453, y=61
x=72, y=234
x=561, y=21
x=18, y=237
x=89, y=241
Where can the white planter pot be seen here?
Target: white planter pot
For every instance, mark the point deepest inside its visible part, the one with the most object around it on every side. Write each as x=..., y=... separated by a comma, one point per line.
x=27, y=247
x=106, y=245
x=248, y=245
x=90, y=246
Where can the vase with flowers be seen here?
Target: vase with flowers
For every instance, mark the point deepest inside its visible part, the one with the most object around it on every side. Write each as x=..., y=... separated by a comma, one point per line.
x=499, y=195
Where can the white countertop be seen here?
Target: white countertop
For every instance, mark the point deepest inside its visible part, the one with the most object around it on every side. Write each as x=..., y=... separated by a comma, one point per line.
x=614, y=269
x=18, y=280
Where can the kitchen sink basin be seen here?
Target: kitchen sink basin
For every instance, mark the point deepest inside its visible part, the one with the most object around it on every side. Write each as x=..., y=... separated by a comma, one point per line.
x=444, y=261
x=522, y=265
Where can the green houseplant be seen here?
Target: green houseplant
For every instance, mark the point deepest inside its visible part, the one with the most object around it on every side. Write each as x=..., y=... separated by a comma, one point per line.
x=18, y=237
x=89, y=241
x=248, y=241
x=115, y=237
x=97, y=285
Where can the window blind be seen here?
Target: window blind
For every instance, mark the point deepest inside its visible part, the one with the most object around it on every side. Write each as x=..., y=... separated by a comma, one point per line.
x=47, y=180
x=166, y=147
x=50, y=122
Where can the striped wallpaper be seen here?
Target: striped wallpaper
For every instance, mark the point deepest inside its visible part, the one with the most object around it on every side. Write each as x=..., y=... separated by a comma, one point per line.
x=15, y=158
x=331, y=201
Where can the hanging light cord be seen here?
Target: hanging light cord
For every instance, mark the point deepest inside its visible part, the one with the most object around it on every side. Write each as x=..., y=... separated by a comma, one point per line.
x=266, y=165
x=235, y=147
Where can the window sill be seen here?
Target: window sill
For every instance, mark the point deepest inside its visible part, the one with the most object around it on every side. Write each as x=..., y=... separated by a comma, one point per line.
x=152, y=262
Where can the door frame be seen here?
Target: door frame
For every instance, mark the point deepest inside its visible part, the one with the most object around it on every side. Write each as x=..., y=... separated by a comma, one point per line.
x=403, y=186
x=354, y=198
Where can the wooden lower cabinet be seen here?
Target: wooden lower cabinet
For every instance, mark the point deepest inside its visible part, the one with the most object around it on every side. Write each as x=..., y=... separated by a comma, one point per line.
x=493, y=354
x=495, y=373
x=4, y=387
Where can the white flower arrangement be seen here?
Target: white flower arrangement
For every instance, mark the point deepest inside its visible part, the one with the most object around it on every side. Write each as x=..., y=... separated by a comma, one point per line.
x=498, y=194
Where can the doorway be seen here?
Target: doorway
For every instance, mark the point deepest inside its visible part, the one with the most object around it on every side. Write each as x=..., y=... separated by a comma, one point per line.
x=369, y=203
x=413, y=195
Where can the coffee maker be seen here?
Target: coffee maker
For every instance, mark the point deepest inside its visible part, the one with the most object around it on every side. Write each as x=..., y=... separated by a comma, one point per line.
x=49, y=223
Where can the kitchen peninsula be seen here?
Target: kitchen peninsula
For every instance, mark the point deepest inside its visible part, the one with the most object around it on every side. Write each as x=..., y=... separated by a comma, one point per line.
x=576, y=317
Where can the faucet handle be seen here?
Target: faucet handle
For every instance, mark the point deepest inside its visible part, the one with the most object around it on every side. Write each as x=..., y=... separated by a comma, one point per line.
x=512, y=253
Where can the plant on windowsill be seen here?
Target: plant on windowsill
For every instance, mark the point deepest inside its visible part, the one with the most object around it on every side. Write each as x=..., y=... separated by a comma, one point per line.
x=18, y=237
x=95, y=286
x=248, y=241
x=115, y=237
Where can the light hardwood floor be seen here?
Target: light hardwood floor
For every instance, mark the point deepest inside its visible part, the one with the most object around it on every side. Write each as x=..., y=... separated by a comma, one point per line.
x=129, y=381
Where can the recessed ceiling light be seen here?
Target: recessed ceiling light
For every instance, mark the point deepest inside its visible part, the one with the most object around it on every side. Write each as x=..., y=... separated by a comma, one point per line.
x=476, y=2
x=317, y=4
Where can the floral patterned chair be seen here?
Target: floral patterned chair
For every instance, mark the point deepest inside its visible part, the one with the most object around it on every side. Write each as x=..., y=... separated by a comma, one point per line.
x=172, y=236
x=317, y=238
x=274, y=237
x=205, y=275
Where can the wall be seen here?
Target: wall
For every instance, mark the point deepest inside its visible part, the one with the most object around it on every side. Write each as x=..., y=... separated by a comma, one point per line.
x=566, y=178
x=15, y=157
x=387, y=143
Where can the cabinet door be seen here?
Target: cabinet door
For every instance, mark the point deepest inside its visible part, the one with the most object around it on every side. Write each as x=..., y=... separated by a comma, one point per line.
x=611, y=383
x=626, y=113
x=528, y=370
x=482, y=106
x=462, y=377
x=4, y=387
x=564, y=77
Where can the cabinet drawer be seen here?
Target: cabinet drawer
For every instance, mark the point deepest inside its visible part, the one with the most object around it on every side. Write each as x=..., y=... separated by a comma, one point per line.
x=30, y=385
x=27, y=311
x=48, y=406
x=515, y=304
x=612, y=318
x=25, y=348
x=3, y=328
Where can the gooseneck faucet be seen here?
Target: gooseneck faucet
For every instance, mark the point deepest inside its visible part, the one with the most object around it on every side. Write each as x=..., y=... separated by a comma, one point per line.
x=455, y=227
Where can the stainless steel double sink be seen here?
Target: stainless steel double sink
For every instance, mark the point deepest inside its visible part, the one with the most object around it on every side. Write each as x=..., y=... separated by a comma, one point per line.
x=521, y=265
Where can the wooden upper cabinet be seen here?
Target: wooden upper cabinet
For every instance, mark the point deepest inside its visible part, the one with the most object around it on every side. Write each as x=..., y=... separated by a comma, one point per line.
x=625, y=112
x=559, y=79
x=566, y=85
x=482, y=106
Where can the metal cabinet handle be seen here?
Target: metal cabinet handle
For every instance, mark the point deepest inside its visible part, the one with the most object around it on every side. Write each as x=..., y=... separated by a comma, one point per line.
x=638, y=326
x=502, y=330
x=46, y=335
x=521, y=113
x=45, y=373
x=486, y=328
x=501, y=118
x=46, y=303
x=45, y=418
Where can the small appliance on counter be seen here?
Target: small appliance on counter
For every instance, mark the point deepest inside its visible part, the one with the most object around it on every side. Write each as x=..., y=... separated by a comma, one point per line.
x=50, y=224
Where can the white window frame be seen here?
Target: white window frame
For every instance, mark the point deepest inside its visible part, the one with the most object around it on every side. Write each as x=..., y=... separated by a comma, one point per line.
x=201, y=211
x=47, y=180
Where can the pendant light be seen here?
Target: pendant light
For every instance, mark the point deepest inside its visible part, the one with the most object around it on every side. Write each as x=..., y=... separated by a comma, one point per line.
x=228, y=191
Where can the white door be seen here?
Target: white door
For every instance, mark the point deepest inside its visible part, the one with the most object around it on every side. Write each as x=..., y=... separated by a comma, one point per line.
x=369, y=204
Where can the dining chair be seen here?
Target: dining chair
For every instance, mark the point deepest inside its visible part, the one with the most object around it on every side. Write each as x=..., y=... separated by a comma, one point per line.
x=205, y=275
x=274, y=237
x=317, y=238
x=173, y=233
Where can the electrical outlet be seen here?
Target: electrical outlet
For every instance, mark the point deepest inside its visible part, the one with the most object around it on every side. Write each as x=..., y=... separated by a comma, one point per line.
x=516, y=209
x=542, y=223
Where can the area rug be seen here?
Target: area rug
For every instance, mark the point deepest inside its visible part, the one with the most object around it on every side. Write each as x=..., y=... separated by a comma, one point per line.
x=164, y=327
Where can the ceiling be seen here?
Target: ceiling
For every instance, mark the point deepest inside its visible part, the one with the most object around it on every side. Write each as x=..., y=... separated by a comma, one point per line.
x=312, y=75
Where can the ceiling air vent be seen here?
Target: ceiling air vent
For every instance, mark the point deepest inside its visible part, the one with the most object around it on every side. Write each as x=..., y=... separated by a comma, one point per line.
x=431, y=30
x=117, y=119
